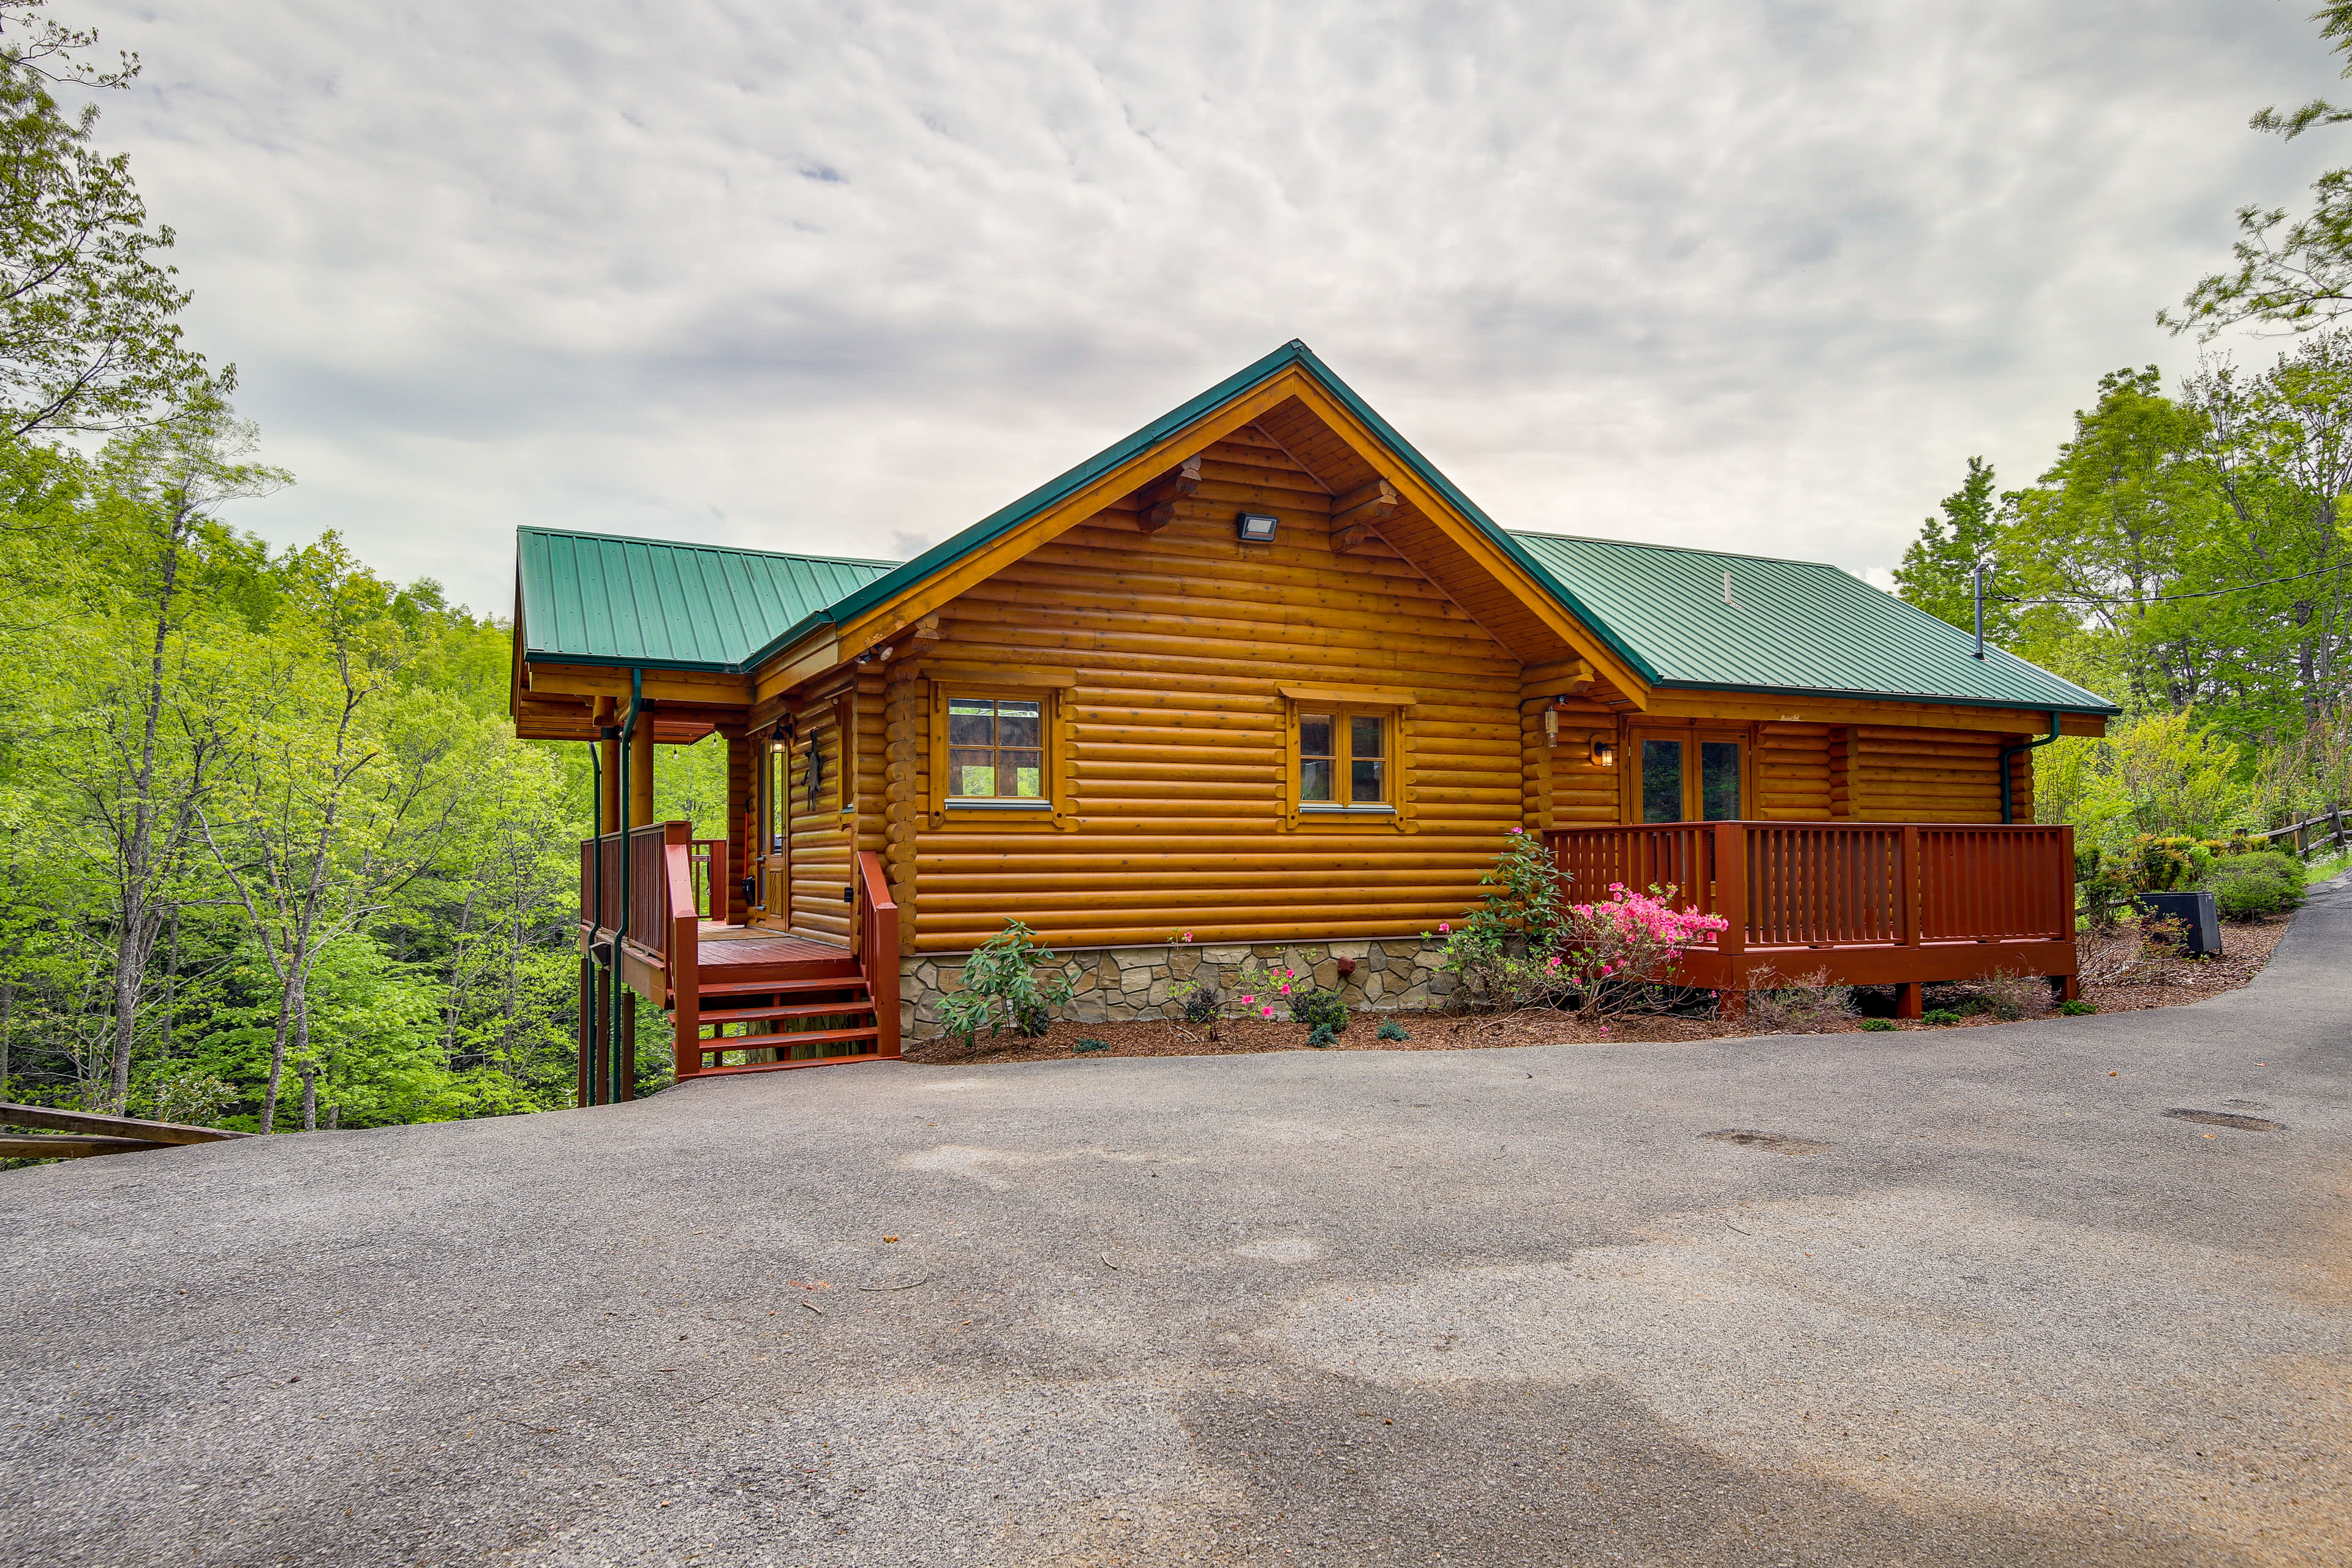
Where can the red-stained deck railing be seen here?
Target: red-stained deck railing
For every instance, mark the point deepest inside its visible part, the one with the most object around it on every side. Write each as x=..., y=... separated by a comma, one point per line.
x=1865, y=902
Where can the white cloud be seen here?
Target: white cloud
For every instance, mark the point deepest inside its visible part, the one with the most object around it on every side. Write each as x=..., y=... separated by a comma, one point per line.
x=847, y=277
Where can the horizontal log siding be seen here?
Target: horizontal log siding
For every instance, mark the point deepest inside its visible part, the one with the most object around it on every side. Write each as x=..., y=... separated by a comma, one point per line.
x=1582, y=795
x=1793, y=773
x=1180, y=640
x=1902, y=775
x=820, y=841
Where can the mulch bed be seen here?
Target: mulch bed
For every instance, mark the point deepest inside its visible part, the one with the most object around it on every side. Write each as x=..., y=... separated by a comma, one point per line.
x=2164, y=984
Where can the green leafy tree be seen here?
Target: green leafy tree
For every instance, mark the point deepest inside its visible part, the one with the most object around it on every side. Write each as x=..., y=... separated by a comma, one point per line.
x=1938, y=570
x=88, y=335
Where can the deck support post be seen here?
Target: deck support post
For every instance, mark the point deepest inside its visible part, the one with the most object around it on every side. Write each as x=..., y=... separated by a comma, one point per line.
x=585, y=1031
x=1906, y=1000
x=625, y=1079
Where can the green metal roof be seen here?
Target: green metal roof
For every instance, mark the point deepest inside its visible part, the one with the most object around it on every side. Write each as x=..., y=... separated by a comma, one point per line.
x=1794, y=627
x=1799, y=627
x=597, y=598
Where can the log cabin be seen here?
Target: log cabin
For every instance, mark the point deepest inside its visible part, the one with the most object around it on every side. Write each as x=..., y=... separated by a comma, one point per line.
x=1259, y=683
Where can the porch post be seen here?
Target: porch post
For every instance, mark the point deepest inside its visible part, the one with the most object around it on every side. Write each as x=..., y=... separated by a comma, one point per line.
x=1907, y=1002
x=608, y=756
x=1731, y=903
x=741, y=757
x=2071, y=990
x=641, y=772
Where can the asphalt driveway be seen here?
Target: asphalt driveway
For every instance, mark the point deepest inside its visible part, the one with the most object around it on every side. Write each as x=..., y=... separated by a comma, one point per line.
x=1973, y=1298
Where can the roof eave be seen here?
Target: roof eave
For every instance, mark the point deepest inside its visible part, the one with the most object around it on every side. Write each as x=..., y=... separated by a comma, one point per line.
x=2102, y=711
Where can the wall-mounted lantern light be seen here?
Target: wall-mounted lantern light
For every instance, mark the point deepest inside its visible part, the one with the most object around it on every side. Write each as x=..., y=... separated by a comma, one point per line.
x=1257, y=527
x=1604, y=751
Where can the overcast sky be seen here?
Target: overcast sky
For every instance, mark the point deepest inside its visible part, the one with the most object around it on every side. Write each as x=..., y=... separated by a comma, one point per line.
x=847, y=278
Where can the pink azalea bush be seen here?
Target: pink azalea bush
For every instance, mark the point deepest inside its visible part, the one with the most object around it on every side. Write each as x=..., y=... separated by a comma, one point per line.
x=1528, y=946
x=1615, y=949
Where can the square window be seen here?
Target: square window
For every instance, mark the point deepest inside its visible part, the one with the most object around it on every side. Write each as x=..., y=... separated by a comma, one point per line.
x=1343, y=759
x=996, y=748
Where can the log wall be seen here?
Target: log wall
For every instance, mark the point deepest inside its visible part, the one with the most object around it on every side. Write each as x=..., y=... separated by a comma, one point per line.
x=1180, y=640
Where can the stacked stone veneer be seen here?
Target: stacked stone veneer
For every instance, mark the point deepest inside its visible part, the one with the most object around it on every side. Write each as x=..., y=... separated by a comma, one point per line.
x=1114, y=984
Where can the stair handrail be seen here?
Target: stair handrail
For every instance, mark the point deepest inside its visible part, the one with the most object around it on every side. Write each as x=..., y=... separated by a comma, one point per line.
x=878, y=949
x=682, y=964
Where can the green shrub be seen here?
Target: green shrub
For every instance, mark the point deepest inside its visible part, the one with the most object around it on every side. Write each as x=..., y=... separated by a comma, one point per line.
x=1878, y=1025
x=1322, y=1036
x=1319, y=1010
x=1941, y=1015
x=2248, y=887
x=2077, y=1008
x=1006, y=985
x=1393, y=1030
x=1089, y=1043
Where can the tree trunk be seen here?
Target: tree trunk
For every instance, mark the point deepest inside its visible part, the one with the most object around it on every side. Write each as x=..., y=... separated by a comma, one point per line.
x=305, y=1066
x=277, y=1060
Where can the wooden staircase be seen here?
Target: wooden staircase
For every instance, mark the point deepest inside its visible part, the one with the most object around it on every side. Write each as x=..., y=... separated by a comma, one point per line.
x=809, y=1011
x=739, y=1000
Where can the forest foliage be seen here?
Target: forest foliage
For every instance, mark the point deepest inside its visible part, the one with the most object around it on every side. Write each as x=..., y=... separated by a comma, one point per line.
x=2184, y=554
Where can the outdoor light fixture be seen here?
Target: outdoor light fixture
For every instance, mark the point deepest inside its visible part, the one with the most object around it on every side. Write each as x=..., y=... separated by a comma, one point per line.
x=1604, y=751
x=1257, y=527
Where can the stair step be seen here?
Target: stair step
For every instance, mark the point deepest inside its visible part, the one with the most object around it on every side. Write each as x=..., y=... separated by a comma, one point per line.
x=786, y=1042
x=853, y=980
x=793, y=1010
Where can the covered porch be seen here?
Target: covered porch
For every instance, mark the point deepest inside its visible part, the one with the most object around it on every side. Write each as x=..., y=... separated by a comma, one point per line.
x=740, y=997
x=1864, y=903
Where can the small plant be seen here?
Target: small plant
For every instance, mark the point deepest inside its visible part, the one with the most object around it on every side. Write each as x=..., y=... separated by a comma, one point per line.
x=1089, y=1043
x=1941, y=1015
x=1879, y=1025
x=2078, y=1008
x=1201, y=1002
x=1261, y=989
x=1006, y=985
x=192, y=1097
x=2250, y=886
x=1805, y=1005
x=2010, y=995
x=1322, y=1036
x=1393, y=1030
x=1319, y=1010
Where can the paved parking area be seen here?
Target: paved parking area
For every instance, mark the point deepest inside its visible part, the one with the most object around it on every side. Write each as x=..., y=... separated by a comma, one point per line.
x=1974, y=1298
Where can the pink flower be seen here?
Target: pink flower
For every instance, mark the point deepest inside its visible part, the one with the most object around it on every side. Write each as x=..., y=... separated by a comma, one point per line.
x=1188, y=936
x=1553, y=963
x=1443, y=928
x=1249, y=1001
x=1285, y=990
x=1266, y=1012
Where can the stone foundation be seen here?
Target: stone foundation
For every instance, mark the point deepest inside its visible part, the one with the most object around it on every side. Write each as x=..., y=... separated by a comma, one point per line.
x=1397, y=974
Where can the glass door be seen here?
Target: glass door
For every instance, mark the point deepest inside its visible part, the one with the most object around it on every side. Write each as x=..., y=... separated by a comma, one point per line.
x=1691, y=777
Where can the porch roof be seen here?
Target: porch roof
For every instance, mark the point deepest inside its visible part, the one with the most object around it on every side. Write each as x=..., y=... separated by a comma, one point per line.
x=600, y=599
x=1710, y=621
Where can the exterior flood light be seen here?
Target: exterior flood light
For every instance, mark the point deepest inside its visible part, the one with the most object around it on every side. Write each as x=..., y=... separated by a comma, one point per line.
x=1604, y=751
x=1257, y=527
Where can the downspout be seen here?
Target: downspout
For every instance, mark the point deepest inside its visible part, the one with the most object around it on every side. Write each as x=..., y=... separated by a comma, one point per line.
x=2008, y=787
x=620, y=991
x=598, y=953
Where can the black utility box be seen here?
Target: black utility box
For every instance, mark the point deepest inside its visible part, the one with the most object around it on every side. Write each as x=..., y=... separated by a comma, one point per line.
x=2202, y=939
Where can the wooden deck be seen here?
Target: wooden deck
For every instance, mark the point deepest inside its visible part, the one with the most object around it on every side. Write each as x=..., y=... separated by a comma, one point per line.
x=1859, y=903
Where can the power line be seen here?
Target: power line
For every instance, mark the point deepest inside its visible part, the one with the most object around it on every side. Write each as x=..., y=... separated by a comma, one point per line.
x=2177, y=598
